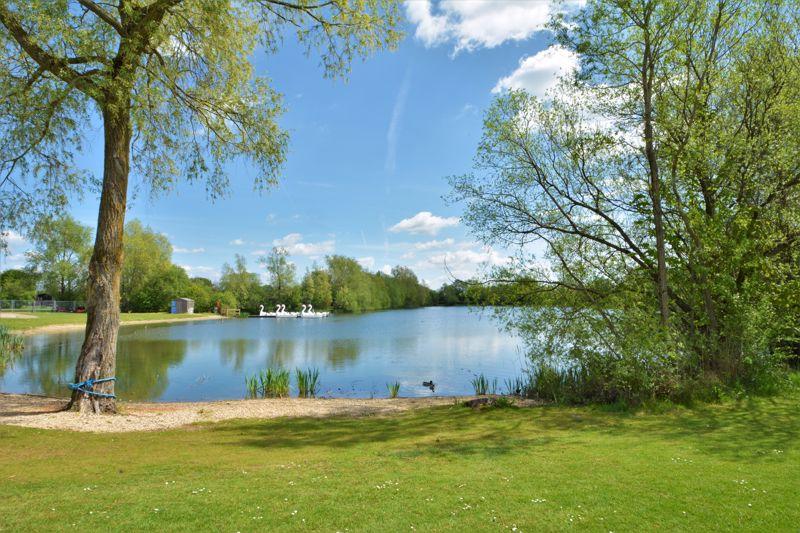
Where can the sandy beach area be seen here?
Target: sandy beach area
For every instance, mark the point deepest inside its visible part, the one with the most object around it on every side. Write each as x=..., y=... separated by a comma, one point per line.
x=46, y=413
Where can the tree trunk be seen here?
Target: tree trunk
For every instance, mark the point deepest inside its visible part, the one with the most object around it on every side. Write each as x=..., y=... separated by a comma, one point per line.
x=98, y=355
x=655, y=180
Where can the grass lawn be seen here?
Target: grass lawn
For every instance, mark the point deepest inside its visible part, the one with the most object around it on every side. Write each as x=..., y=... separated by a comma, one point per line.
x=729, y=467
x=58, y=319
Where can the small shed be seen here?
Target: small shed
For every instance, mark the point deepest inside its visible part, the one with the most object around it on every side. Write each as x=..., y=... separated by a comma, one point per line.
x=182, y=306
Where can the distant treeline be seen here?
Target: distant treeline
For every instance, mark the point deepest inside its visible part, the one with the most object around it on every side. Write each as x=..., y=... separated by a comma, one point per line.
x=57, y=266
x=506, y=293
x=341, y=285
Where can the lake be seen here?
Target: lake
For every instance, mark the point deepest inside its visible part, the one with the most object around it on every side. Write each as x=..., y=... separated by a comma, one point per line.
x=357, y=355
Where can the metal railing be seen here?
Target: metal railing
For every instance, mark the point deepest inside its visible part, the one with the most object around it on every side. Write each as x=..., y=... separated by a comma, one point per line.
x=37, y=306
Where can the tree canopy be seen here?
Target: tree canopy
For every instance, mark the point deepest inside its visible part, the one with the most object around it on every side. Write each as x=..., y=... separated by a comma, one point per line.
x=172, y=83
x=61, y=248
x=180, y=67
x=664, y=185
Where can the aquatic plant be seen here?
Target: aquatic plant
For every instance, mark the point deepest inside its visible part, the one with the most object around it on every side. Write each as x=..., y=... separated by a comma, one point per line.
x=275, y=383
x=10, y=345
x=480, y=384
x=269, y=383
x=251, y=385
x=517, y=386
x=307, y=382
x=394, y=389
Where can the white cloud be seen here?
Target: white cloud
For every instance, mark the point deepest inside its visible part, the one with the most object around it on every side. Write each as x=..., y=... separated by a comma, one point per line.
x=467, y=110
x=431, y=29
x=12, y=253
x=289, y=240
x=366, y=262
x=434, y=244
x=237, y=242
x=392, y=132
x=293, y=244
x=424, y=222
x=13, y=238
x=473, y=24
x=469, y=257
x=201, y=272
x=386, y=269
x=539, y=73
x=462, y=264
x=179, y=250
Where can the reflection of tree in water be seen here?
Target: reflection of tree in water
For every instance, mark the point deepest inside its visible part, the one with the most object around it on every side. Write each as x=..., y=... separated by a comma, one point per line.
x=281, y=353
x=290, y=353
x=49, y=365
x=236, y=350
x=142, y=367
x=404, y=345
x=343, y=351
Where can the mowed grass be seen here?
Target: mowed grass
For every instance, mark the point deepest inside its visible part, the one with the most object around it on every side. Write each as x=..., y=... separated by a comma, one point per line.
x=59, y=319
x=729, y=467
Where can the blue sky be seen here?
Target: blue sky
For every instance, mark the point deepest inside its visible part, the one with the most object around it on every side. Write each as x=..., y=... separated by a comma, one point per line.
x=369, y=156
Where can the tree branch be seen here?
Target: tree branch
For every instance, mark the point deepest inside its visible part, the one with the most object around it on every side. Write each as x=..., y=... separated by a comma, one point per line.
x=103, y=15
x=59, y=66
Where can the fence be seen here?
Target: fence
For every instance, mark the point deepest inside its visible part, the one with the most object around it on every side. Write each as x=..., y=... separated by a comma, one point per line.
x=36, y=306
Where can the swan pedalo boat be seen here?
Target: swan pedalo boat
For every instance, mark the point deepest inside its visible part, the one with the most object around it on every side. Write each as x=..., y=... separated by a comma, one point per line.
x=280, y=312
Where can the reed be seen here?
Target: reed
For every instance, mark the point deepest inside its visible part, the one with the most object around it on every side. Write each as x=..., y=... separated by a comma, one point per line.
x=10, y=345
x=269, y=383
x=394, y=389
x=516, y=386
x=275, y=383
x=480, y=384
x=307, y=382
x=251, y=385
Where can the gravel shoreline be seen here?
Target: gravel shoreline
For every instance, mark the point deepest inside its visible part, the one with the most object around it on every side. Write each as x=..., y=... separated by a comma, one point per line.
x=57, y=328
x=45, y=413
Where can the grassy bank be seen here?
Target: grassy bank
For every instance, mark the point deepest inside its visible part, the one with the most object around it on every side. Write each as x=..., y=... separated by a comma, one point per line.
x=724, y=467
x=42, y=320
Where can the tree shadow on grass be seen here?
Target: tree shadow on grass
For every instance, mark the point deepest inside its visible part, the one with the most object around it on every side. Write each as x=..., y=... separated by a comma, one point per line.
x=749, y=430
x=437, y=431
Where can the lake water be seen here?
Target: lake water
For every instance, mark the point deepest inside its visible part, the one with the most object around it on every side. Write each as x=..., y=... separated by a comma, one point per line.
x=355, y=354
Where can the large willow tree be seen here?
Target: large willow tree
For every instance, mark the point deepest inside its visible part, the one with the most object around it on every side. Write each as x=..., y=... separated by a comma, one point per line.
x=661, y=190
x=172, y=84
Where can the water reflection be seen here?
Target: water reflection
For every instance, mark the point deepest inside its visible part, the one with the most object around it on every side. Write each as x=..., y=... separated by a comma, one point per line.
x=236, y=351
x=48, y=369
x=280, y=353
x=142, y=366
x=340, y=352
x=356, y=355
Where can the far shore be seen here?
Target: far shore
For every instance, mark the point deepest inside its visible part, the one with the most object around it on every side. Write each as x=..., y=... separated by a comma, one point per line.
x=27, y=326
